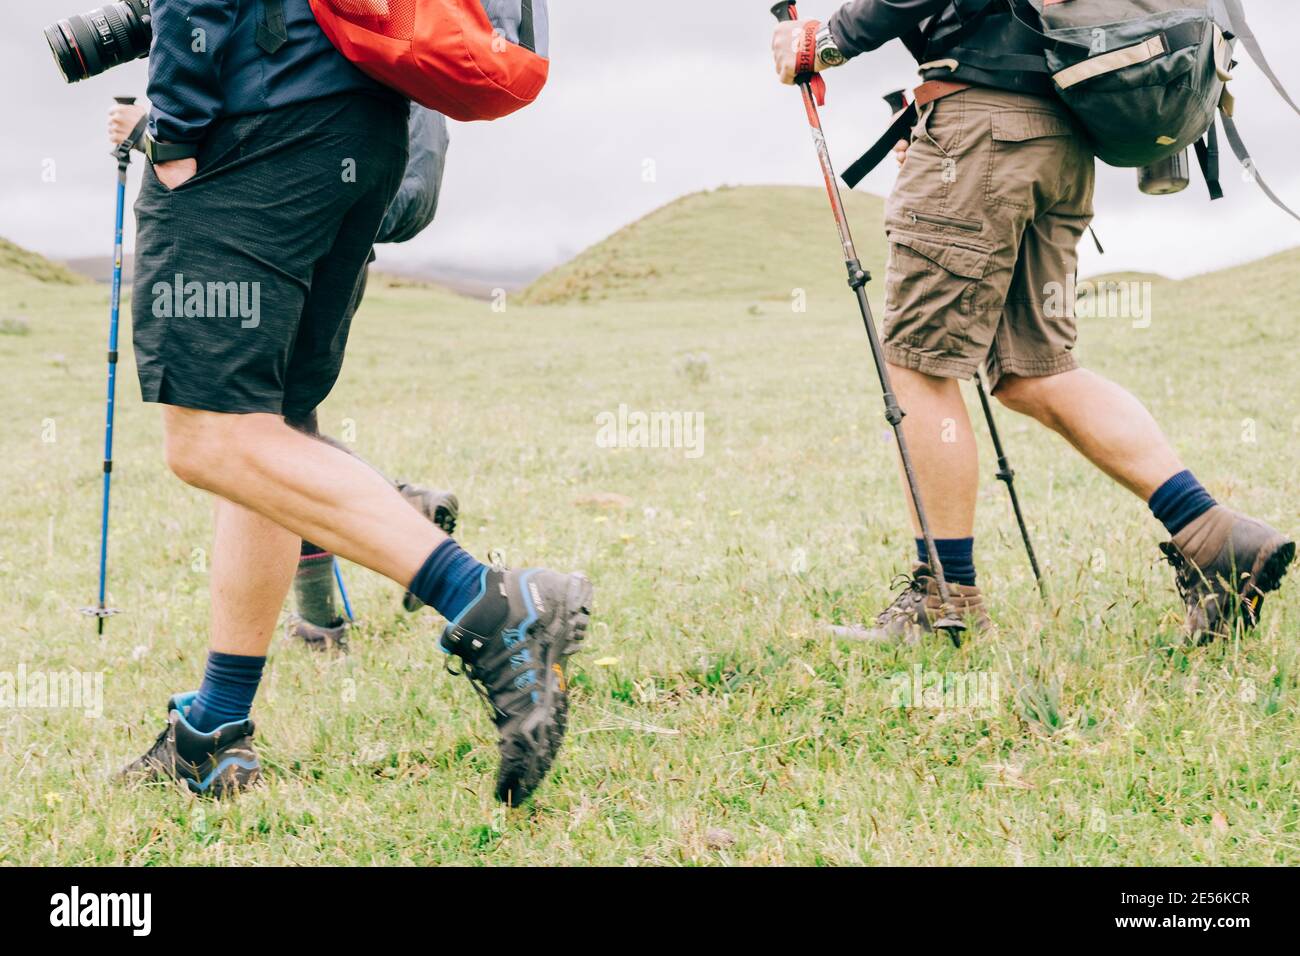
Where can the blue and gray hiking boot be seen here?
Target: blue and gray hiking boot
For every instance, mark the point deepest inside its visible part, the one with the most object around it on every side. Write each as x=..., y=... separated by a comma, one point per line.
x=514, y=640
x=442, y=508
x=217, y=764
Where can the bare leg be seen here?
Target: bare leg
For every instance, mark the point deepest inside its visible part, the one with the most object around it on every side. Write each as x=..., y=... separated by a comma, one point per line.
x=1105, y=422
x=253, y=562
x=308, y=487
x=938, y=432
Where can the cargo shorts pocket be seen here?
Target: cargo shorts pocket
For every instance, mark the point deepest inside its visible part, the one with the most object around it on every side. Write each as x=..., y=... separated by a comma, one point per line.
x=932, y=291
x=1030, y=148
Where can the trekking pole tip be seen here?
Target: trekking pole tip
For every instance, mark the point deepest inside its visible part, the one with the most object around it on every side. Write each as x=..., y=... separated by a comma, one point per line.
x=951, y=625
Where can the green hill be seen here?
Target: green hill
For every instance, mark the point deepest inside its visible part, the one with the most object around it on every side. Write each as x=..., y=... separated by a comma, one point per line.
x=19, y=261
x=765, y=241
x=747, y=241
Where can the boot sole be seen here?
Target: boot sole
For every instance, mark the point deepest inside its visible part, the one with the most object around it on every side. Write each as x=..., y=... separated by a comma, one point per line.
x=1272, y=568
x=563, y=639
x=577, y=613
x=445, y=515
x=1266, y=577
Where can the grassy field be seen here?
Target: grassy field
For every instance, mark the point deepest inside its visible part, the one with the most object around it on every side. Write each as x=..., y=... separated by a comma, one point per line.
x=714, y=722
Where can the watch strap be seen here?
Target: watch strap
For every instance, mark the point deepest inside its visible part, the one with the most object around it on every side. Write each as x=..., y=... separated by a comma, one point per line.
x=167, y=152
x=828, y=51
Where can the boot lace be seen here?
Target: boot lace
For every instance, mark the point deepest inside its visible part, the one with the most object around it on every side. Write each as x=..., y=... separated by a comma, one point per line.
x=1188, y=578
x=909, y=602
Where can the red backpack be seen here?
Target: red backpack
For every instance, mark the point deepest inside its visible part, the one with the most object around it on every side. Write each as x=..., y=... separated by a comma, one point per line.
x=444, y=54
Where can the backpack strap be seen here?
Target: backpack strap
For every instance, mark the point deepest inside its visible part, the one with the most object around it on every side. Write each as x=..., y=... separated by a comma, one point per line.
x=1028, y=16
x=967, y=16
x=899, y=129
x=271, y=31
x=915, y=42
x=997, y=62
x=527, y=34
x=1241, y=29
x=1243, y=155
x=1207, y=154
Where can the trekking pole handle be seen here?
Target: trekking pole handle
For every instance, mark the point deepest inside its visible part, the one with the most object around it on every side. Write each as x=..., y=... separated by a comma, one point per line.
x=785, y=11
x=123, y=151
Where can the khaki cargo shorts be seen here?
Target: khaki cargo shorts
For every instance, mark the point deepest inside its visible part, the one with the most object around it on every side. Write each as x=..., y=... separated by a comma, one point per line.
x=984, y=225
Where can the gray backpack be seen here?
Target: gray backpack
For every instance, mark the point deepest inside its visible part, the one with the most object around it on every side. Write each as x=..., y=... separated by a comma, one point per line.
x=1146, y=78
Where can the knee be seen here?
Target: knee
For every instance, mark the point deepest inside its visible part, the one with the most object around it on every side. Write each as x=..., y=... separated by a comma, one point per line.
x=186, y=444
x=198, y=445
x=1028, y=396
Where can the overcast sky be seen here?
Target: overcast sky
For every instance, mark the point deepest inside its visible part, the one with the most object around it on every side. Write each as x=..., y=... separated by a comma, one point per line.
x=687, y=86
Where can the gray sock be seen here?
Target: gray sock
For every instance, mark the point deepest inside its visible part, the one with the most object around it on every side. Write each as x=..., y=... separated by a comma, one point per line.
x=313, y=587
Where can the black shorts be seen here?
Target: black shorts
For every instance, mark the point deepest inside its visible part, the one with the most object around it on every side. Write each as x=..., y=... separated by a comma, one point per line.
x=244, y=274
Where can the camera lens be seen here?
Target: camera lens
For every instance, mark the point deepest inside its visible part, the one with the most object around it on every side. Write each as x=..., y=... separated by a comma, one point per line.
x=86, y=45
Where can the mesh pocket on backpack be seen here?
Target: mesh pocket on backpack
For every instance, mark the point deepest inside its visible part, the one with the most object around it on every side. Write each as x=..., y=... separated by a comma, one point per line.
x=390, y=18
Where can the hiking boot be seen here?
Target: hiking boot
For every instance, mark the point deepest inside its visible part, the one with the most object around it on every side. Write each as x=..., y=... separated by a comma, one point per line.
x=1224, y=564
x=216, y=764
x=319, y=638
x=514, y=652
x=915, y=611
x=440, y=507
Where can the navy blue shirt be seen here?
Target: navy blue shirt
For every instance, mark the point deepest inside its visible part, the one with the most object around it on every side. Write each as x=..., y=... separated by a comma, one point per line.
x=205, y=63
x=861, y=26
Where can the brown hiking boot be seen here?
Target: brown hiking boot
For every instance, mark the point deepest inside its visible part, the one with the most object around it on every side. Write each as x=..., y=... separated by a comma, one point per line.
x=1225, y=563
x=916, y=608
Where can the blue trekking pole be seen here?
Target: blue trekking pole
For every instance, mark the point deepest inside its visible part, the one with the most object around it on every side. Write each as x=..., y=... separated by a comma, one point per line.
x=123, y=155
x=343, y=591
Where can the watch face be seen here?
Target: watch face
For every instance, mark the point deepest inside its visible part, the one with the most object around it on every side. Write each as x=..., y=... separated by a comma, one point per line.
x=830, y=55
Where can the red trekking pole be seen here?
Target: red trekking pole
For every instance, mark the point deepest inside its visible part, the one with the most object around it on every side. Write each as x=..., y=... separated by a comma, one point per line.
x=858, y=279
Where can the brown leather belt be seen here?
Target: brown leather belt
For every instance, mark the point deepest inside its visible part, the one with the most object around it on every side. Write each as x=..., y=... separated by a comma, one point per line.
x=933, y=90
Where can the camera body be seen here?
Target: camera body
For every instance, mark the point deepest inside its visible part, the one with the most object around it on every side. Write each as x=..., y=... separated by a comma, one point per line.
x=90, y=43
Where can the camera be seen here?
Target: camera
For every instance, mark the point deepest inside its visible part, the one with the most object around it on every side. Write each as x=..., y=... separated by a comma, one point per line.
x=90, y=43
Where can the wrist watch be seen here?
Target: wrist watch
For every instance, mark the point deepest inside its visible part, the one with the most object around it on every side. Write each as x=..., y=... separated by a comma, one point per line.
x=166, y=152
x=828, y=54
